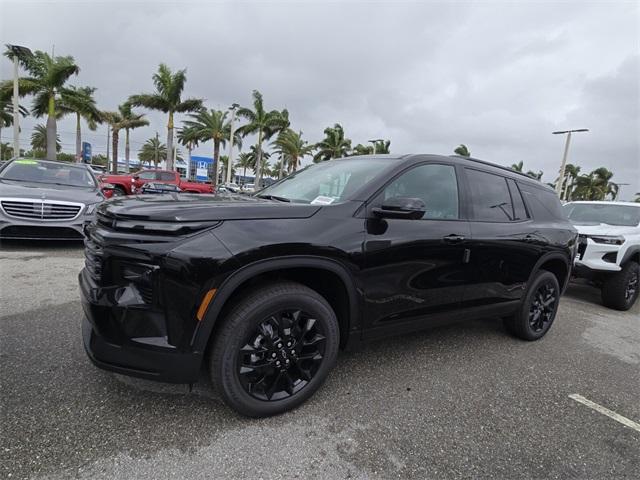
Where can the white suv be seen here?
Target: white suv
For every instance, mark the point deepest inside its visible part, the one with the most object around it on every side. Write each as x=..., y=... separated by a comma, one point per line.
x=608, y=248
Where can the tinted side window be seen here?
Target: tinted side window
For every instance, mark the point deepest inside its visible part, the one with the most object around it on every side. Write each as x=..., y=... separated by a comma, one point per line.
x=148, y=175
x=490, y=197
x=167, y=176
x=435, y=184
x=519, y=209
x=544, y=204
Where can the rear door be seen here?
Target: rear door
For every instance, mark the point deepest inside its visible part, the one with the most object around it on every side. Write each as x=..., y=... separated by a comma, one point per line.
x=504, y=244
x=415, y=268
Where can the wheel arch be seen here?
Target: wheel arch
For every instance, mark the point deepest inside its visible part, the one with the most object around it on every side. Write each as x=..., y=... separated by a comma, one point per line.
x=632, y=253
x=556, y=263
x=331, y=279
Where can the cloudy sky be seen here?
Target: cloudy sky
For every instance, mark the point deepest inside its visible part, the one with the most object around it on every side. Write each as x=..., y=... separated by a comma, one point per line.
x=497, y=76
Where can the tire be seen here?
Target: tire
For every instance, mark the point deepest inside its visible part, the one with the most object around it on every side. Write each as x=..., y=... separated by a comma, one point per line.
x=254, y=336
x=620, y=290
x=538, y=308
x=118, y=191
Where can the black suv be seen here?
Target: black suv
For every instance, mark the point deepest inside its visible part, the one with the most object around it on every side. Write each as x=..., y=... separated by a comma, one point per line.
x=265, y=289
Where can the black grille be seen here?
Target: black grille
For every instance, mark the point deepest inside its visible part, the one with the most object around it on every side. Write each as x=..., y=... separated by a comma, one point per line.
x=582, y=246
x=41, y=209
x=93, y=259
x=40, y=233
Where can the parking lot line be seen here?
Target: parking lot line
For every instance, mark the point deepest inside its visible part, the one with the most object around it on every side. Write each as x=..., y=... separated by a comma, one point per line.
x=605, y=411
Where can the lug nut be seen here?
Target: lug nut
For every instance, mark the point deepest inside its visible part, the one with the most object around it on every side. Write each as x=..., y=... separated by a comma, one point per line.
x=293, y=352
x=273, y=355
x=288, y=344
x=286, y=361
x=279, y=345
x=278, y=363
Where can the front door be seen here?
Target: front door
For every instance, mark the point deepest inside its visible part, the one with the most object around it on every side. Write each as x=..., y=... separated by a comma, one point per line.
x=415, y=268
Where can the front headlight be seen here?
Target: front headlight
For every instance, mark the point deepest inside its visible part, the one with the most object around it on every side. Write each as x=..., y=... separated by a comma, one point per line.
x=607, y=239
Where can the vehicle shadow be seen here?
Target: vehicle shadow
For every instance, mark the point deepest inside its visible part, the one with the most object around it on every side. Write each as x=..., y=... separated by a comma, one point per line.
x=44, y=246
x=580, y=289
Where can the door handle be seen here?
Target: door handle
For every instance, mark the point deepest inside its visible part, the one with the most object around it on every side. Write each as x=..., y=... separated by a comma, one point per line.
x=453, y=238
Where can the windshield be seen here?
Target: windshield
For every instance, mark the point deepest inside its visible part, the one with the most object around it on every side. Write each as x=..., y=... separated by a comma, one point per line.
x=596, y=213
x=42, y=171
x=327, y=182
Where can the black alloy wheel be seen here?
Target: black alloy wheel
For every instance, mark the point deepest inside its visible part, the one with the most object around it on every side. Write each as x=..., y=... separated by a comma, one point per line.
x=282, y=355
x=274, y=348
x=632, y=287
x=543, y=306
x=538, y=308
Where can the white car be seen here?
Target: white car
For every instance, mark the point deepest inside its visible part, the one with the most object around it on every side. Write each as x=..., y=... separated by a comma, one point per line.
x=609, y=248
x=248, y=188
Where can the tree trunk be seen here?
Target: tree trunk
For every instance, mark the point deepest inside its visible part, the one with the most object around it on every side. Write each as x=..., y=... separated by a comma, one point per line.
x=258, y=180
x=170, y=160
x=216, y=159
x=281, y=166
x=126, y=150
x=78, y=139
x=115, y=137
x=52, y=133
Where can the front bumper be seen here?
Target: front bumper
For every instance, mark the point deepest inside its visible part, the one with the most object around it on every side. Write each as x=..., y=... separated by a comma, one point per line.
x=129, y=341
x=597, y=256
x=14, y=229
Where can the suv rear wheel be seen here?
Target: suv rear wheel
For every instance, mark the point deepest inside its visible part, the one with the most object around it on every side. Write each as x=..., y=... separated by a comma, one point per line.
x=274, y=349
x=620, y=290
x=538, y=310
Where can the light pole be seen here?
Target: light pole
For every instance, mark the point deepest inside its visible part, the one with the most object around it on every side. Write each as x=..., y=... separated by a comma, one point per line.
x=16, y=51
x=564, y=157
x=231, y=133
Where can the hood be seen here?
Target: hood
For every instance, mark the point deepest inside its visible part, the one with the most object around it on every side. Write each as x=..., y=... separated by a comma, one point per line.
x=39, y=191
x=187, y=207
x=603, y=229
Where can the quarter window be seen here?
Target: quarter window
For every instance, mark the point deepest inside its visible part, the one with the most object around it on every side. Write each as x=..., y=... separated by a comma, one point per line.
x=490, y=197
x=167, y=176
x=434, y=184
x=519, y=210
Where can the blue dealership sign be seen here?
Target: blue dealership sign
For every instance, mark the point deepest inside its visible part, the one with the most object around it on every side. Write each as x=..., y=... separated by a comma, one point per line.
x=202, y=167
x=86, y=152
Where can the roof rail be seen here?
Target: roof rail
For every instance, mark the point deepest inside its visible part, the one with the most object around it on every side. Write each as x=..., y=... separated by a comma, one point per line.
x=501, y=167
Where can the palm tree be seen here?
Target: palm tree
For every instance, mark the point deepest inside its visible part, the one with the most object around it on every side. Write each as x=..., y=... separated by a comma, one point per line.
x=48, y=76
x=381, y=146
x=154, y=151
x=254, y=154
x=212, y=125
x=361, y=149
x=537, y=175
x=129, y=121
x=334, y=144
x=517, y=167
x=6, y=109
x=595, y=185
x=637, y=200
x=292, y=149
x=571, y=173
x=168, y=99
x=114, y=119
x=80, y=101
x=188, y=137
x=462, y=150
x=244, y=161
x=264, y=123
x=39, y=139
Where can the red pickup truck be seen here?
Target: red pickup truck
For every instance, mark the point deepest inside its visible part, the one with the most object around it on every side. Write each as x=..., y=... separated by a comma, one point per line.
x=130, y=184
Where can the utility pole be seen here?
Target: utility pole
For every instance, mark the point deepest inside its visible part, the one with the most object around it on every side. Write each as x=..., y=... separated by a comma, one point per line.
x=564, y=157
x=16, y=51
x=232, y=133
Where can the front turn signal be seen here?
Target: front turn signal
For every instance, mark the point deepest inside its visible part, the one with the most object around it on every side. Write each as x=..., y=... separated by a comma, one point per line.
x=205, y=304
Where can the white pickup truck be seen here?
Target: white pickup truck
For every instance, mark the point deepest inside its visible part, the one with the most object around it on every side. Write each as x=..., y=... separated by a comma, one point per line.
x=609, y=248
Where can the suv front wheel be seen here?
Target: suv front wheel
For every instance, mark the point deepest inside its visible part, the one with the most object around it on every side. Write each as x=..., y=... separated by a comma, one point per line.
x=538, y=309
x=274, y=349
x=620, y=290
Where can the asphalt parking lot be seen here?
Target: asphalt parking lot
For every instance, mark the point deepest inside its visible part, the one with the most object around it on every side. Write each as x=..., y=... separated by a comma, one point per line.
x=464, y=401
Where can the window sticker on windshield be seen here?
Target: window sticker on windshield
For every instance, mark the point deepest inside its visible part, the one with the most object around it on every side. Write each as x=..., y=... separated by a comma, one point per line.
x=26, y=162
x=322, y=200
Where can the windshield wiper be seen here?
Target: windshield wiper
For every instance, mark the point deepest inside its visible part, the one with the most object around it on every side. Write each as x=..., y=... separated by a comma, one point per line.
x=274, y=197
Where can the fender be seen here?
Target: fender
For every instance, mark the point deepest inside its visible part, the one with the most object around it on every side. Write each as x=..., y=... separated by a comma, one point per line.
x=231, y=283
x=552, y=256
x=631, y=251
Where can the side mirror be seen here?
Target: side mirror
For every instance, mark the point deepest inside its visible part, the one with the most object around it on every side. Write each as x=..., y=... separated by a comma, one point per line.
x=401, y=207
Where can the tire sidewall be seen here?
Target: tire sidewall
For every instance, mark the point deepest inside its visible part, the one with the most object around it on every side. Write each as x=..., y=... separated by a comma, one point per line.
x=225, y=360
x=541, y=278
